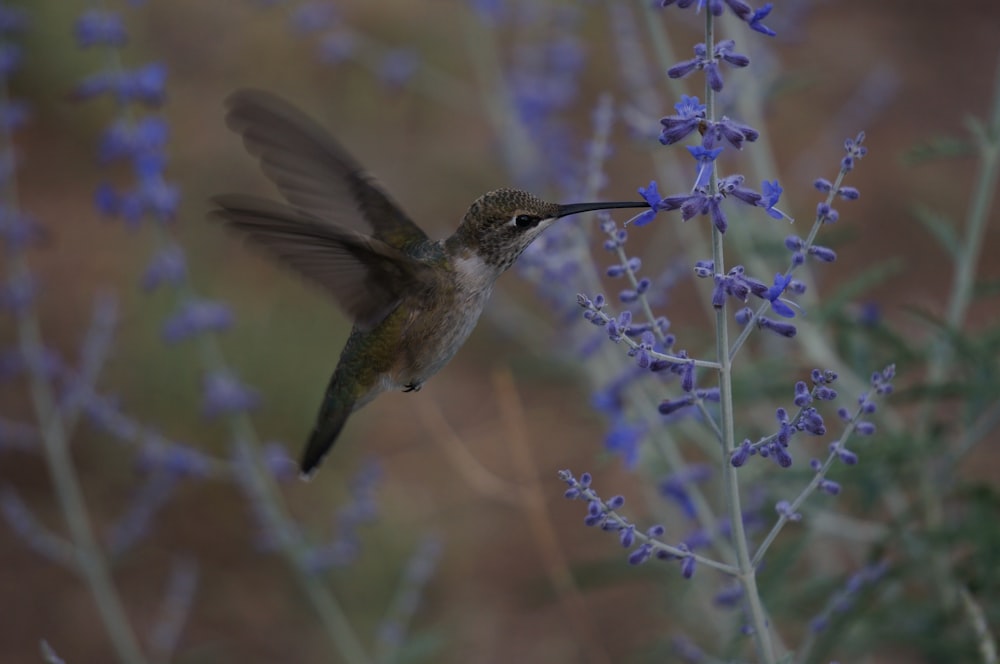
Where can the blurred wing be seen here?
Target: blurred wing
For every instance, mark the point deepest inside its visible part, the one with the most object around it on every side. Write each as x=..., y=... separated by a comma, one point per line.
x=313, y=172
x=366, y=276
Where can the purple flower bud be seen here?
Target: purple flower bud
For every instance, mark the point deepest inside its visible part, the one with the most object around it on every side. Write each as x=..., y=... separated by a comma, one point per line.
x=669, y=406
x=741, y=454
x=688, y=566
x=223, y=393
x=784, y=508
x=823, y=253
x=627, y=536
x=640, y=555
x=847, y=457
x=784, y=329
x=830, y=487
x=865, y=428
x=794, y=243
x=802, y=394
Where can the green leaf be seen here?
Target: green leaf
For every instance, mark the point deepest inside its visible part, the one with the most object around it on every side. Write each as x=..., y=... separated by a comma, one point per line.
x=945, y=147
x=941, y=228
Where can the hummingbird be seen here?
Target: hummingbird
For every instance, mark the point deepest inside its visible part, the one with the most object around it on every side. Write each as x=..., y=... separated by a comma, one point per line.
x=414, y=301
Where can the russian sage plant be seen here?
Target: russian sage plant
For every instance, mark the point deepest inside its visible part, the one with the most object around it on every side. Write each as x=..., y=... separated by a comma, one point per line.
x=786, y=501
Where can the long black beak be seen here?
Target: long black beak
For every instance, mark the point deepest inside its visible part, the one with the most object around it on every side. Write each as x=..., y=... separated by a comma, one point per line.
x=577, y=208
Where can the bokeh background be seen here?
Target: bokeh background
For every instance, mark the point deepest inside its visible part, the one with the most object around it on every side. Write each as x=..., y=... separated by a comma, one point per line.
x=907, y=73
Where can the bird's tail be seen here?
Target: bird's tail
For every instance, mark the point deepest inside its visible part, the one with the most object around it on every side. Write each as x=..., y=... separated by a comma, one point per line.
x=332, y=417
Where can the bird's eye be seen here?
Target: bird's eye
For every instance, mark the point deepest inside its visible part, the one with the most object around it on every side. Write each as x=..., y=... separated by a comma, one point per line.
x=526, y=221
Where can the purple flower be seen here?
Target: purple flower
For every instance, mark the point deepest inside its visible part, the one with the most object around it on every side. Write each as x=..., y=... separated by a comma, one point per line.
x=398, y=67
x=337, y=47
x=704, y=158
x=855, y=150
x=12, y=20
x=741, y=454
x=224, y=394
x=652, y=196
x=722, y=51
x=780, y=305
x=10, y=59
x=195, y=317
x=146, y=85
x=168, y=266
x=770, y=193
x=782, y=329
x=131, y=138
x=313, y=17
x=624, y=439
x=96, y=27
x=727, y=130
x=690, y=113
x=759, y=15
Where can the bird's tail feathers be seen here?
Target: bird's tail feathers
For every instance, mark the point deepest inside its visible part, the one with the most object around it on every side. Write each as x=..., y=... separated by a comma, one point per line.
x=332, y=418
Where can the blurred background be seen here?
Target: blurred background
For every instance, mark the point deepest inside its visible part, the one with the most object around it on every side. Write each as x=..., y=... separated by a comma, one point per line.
x=410, y=89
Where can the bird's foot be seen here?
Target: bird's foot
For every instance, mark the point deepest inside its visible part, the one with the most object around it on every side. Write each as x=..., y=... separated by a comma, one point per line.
x=413, y=387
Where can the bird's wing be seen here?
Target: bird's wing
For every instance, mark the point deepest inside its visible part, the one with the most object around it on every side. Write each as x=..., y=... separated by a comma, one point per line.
x=313, y=172
x=366, y=276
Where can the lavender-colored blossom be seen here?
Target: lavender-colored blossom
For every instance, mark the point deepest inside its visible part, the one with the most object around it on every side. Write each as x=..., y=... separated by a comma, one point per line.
x=96, y=27
x=282, y=466
x=652, y=196
x=14, y=115
x=784, y=508
x=624, y=439
x=855, y=150
x=13, y=20
x=770, y=195
x=338, y=46
x=146, y=84
x=675, y=487
x=688, y=565
x=127, y=137
x=197, y=316
x=730, y=131
x=10, y=59
x=670, y=406
x=741, y=454
x=158, y=454
x=224, y=394
x=786, y=330
x=759, y=15
x=167, y=266
x=398, y=67
x=824, y=254
x=313, y=16
x=721, y=51
x=704, y=158
x=690, y=115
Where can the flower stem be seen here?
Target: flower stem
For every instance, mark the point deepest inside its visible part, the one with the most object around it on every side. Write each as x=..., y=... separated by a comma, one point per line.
x=747, y=574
